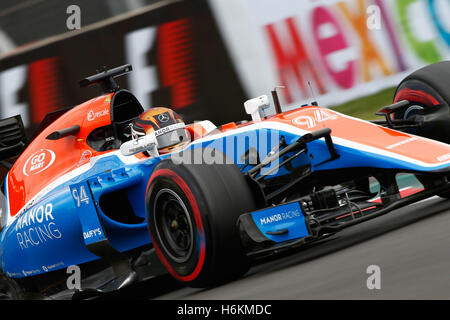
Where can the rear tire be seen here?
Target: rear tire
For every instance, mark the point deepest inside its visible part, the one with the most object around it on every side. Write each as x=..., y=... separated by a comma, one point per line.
x=192, y=212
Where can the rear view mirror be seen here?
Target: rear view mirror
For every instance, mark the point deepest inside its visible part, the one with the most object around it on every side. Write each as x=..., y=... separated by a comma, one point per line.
x=62, y=133
x=255, y=107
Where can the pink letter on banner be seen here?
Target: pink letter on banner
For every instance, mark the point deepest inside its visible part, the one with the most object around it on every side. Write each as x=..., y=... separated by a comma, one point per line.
x=332, y=43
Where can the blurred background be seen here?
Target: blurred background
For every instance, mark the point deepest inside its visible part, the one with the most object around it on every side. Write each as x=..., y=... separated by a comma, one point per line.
x=204, y=58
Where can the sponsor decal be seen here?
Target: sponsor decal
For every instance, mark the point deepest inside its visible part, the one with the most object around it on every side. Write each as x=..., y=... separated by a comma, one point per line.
x=444, y=157
x=163, y=117
x=92, y=233
x=13, y=274
x=287, y=218
x=36, y=226
x=398, y=144
x=27, y=273
x=52, y=266
x=85, y=157
x=169, y=128
x=291, y=214
x=94, y=115
x=38, y=162
x=143, y=148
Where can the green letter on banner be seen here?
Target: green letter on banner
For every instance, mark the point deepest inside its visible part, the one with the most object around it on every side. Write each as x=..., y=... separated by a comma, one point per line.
x=426, y=50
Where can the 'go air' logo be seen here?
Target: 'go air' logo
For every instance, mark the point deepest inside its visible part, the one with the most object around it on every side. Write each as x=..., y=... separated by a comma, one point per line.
x=38, y=162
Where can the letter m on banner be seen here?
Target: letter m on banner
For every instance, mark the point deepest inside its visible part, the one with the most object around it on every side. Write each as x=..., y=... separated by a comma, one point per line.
x=293, y=64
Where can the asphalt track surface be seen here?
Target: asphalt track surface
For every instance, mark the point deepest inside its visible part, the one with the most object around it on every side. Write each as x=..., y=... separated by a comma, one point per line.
x=411, y=246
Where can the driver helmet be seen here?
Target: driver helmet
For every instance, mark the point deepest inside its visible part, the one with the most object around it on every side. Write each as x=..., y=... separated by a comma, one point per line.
x=170, y=130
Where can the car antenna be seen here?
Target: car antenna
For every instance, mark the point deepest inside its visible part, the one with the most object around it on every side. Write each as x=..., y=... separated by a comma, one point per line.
x=314, y=103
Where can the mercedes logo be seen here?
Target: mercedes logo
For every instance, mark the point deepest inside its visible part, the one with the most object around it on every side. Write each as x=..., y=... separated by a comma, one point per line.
x=163, y=117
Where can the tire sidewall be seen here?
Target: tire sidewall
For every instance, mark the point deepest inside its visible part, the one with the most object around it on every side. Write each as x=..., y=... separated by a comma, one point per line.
x=215, y=196
x=191, y=269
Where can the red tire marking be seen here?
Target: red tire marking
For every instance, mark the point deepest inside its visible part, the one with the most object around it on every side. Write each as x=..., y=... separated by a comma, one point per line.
x=418, y=95
x=198, y=221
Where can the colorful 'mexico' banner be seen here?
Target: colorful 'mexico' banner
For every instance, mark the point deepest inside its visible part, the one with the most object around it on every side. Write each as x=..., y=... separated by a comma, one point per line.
x=344, y=49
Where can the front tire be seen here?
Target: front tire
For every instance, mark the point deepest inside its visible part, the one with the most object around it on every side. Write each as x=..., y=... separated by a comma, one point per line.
x=192, y=212
x=427, y=91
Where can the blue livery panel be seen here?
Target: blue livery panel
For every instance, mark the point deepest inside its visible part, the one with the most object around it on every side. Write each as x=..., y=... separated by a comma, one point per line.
x=90, y=224
x=281, y=223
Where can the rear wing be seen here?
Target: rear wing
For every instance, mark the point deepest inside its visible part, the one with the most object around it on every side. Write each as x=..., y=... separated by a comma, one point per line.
x=13, y=139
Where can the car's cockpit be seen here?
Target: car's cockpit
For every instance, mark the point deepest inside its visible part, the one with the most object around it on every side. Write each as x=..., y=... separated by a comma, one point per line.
x=125, y=108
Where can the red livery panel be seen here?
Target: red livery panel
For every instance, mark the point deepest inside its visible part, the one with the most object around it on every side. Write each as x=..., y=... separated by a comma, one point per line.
x=44, y=161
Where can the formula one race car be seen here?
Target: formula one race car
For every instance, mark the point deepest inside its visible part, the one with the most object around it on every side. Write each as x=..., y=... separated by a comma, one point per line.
x=105, y=186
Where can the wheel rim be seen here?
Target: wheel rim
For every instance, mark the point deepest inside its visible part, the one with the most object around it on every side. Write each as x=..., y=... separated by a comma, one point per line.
x=173, y=225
